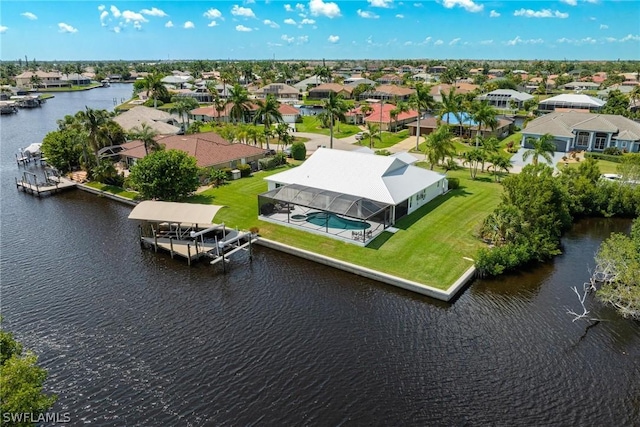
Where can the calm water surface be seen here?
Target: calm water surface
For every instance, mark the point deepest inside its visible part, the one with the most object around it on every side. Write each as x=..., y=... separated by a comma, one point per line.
x=134, y=338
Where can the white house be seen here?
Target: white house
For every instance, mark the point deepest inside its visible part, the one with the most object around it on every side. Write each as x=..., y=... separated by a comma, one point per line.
x=572, y=101
x=348, y=195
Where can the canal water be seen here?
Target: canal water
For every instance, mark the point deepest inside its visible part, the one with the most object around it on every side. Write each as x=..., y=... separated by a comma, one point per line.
x=131, y=337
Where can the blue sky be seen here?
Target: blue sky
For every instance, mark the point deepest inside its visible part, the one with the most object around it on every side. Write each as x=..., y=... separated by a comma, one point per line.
x=315, y=29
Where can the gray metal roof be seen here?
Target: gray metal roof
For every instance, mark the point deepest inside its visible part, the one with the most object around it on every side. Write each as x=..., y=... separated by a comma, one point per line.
x=566, y=123
x=506, y=94
x=325, y=200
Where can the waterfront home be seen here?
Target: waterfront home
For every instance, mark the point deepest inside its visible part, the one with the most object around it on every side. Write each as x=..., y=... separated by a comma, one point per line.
x=573, y=130
x=570, y=101
x=324, y=90
x=282, y=92
x=387, y=93
x=506, y=98
x=209, y=150
x=208, y=113
x=460, y=88
x=468, y=128
x=159, y=121
x=46, y=79
x=348, y=195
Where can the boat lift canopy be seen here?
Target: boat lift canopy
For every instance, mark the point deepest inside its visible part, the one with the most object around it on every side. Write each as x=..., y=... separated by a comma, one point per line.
x=172, y=212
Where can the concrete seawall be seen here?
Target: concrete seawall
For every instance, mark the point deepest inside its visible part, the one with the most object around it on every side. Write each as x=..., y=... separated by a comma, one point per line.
x=443, y=295
x=111, y=196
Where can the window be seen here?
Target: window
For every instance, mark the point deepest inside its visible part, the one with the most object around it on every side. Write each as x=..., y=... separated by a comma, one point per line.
x=582, y=139
x=601, y=140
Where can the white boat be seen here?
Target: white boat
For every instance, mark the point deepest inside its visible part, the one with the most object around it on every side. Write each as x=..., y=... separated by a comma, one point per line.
x=33, y=150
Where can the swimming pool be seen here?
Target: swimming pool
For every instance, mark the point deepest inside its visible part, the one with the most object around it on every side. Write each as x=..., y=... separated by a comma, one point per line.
x=335, y=221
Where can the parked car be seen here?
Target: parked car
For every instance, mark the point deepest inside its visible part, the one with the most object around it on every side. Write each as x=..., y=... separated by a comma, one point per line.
x=270, y=152
x=287, y=152
x=359, y=136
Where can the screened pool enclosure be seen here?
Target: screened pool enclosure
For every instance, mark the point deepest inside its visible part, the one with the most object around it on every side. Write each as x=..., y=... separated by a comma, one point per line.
x=343, y=216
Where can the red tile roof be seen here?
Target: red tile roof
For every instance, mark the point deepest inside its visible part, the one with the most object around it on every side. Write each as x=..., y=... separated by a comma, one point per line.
x=386, y=114
x=209, y=148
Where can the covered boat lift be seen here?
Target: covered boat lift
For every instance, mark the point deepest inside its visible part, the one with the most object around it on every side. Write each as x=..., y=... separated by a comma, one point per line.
x=186, y=230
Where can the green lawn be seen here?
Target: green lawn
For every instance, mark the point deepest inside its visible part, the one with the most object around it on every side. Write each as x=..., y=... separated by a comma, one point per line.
x=312, y=124
x=119, y=191
x=604, y=165
x=430, y=246
x=69, y=89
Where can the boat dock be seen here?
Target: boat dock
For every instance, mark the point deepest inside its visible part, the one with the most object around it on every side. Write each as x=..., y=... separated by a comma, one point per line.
x=52, y=183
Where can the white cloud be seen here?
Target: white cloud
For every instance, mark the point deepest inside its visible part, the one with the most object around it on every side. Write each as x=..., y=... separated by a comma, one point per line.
x=212, y=14
x=630, y=37
x=438, y=43
x=103, y=17
x=242, y=11
x=320, y=8
x=400, y=16
x=486, y=42
x=544, y=13
x=270, y=23
x=130, y=16
x=101, y=7
x=303, y=39
x=467, y=5
x=243, y=29
x=299, y=7
x=367, y=15
x=213, y=24
x=3, y=29
x=249, y=1
x=169, y=24
x=604, y=27
x=592, y=1
x=380, y=3
x=333, y=39
x=454, y=41
x=417, y=5
x=188, y=25
x=494, y=14
x=116, y=29
x=154, y=11
x=427, y=40
x=115, y=11
x=288, y=39
x=409, y=43
x=290, y=21
x=611, y=39
x=569, y=2
x=288, y=8
x=588, y=40
x=306, y=21
x=66, y=28
x=29, y=15
x=518, y=40
x=137, y=25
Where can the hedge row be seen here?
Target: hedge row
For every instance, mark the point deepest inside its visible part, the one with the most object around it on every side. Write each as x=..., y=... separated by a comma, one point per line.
x=608, y=157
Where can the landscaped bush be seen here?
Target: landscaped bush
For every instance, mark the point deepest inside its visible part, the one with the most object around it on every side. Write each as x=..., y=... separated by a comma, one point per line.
x=245, y=170
x=298, y=151
x=612, y=151
x=299, y=119
x=150, y=103
x=383, y=152
x=454, y=183
x=599, y=156
x=227, y=171
x=269, y=163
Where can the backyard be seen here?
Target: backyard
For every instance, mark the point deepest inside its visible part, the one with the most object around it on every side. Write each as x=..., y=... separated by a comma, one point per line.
x=436, y=243
x=312, y=124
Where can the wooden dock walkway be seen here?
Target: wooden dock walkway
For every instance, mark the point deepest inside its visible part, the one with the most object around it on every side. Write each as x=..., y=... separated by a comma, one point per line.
x=53, y=184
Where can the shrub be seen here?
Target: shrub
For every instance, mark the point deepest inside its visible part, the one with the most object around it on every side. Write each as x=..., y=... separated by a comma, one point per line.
x=227, y=171
x=298, y=151
x=268, y=163
x=150, y=103
x=299, y=119
x=612, y=151
x=383, y=152
x=599, y=156
x=454, y=183
x=245, y=170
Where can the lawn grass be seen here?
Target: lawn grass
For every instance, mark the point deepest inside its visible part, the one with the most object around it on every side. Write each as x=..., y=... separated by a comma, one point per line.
x=312, y=124
x=430, y=246
x=604, y=165
x=69, y=89
x=119, y=191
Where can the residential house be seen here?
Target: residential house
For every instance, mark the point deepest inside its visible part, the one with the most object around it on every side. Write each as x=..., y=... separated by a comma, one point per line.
x=625, y=89
x=387, y=93
x=468, y=128
x=355, y=81
x=570, y=101
x=209, y=149
x=506, y=98
x=581, y=86
x=76, y=79
x=47, y=79
x=574, y=130
x=322, y=91
x=404, y=69
x=390, y=79
x=283, y=92
x=437, y=69
x=383, y=117
x=460, y=88
x=208, y=113
x=160, y=121
x=308, y=83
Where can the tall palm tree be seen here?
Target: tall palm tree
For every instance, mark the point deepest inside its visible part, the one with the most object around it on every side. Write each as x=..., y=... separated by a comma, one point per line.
x=153, y=86
x=499, y=163
x=401, y=107
x=253, y=133
x=451, y=104
x=490, y=147
x=373, y=131
x=219, y=105
x=483, y=114
x=182, y=107
x=439, y=145
x=365, y=109
x=147, y=136
x=239, y=100
x=334, y=107
x=93, y=122
x=268, y=113
x=422, y=101
x=541, y=147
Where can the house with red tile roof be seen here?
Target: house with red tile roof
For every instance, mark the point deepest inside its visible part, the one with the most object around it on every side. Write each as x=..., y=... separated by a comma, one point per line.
x=208, y=113
x=209, y=150
x=382, y=116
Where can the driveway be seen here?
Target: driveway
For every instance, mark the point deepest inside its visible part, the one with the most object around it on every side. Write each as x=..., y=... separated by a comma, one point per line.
x=519, y=163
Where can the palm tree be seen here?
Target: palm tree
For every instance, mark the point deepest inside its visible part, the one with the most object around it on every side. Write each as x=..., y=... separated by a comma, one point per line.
x=253, y=133
x=365, y=109
x=239, y=100
x=498, y=163
x=451, y=104
x=541, y=147
x=473, y=159
x=422, y=101
x=35, y=81
x=439, y=145
x=334, y=107
x=401, y=107
x=284, y=137
x=182, y=107
x=93, y=122
x=373, y=131
x=268, y=113
x=490, y=146
x=152, y=83
x=147, y=136
x=483, y=114
x=219, y=105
